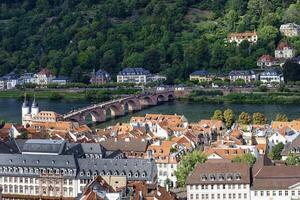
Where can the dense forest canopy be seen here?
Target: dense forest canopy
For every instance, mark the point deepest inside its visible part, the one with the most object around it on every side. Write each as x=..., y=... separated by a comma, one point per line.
x=173, y=37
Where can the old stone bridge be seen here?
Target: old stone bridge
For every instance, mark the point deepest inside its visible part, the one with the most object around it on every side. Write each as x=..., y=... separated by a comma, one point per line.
x=114, y=108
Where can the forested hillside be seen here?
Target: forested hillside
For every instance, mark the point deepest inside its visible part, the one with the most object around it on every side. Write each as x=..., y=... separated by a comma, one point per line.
x=173, y=37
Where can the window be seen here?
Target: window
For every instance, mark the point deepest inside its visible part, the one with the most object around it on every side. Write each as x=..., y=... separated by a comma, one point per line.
x=218, y=196
x=229, y=196
x=280, y=193
x=239, y=195
x=255, y=193
x=202, y=196
x=233, y=195
x=192, y=196
x=261, y=193
x=245, y=195
x=197, y=196
x=274, y=193
x=293, y=193
x=286, y=193
x=212, y=196
x=224, y=196
x=268, y=193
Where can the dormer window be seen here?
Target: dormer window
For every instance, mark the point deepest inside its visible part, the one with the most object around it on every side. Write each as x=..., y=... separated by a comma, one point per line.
x=136, y=174
x=81, y=173
x=129, y=174
x=229, y=177
x=203, y=178
x=221, y=177
x=212, y=177
x=144, y=174
x=238, y=177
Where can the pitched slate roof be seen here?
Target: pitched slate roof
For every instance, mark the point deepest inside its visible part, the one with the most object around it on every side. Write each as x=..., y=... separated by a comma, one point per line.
x=200, y=73
x=134, y=71
x=134, y=169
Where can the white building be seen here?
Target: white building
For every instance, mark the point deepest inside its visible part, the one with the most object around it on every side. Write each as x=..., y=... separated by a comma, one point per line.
x=134, y=75
x=166, y=161
x=43, y=77
x=276, y=183
x=271, y=76
x=290, y=29
x=238, y=38
x=275, y=139
x=8, y=81
x=246, y=75
x=219, y=180
x=284, y=51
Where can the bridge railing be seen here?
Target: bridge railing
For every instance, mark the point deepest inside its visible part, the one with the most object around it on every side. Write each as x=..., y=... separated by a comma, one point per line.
x=75, y=111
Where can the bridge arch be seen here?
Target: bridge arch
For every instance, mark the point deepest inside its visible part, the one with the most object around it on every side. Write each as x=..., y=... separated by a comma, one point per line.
x=114, y=110
x=148, y=101
x=96, y=116
x=131, y=105
x=162, y=98
x=171, y=97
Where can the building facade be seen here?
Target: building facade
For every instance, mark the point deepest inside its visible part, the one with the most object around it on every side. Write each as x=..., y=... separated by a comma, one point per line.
x=284, y=51
x=134, y=75
x=271, y=76
x=238, y=38
x=100, y=77
x=276, y=183
x=266, y=61
x=43, y=77
x=290, y=29
x=246, y=75
x=54, y=169
x=219, y=181
x=201, y=76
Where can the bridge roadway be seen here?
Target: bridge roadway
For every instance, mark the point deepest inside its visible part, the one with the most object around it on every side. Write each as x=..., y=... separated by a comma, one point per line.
x=118, y=107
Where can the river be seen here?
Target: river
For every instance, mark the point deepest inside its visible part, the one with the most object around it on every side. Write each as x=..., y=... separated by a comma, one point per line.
x=10, y=109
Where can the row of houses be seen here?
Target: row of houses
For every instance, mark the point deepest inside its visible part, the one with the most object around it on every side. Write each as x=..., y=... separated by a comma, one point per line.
x=43, y=77
x=268, y=76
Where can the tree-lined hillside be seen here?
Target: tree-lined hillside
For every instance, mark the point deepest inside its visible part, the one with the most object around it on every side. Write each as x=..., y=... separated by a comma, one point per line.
x=174, y=37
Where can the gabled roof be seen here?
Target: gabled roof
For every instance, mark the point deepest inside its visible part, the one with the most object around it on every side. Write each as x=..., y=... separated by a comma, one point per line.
x=266, y=58
x=46, y=72
x=284, y=45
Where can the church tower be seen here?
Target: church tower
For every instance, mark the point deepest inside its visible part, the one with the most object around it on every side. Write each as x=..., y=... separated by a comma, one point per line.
x=25, y=107
x=34, y=108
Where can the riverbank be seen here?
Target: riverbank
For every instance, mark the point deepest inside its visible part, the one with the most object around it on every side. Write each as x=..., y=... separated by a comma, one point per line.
x=67, y=94
x=245, y=98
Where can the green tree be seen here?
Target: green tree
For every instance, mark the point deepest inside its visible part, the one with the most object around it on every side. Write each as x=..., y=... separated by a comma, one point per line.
x=291, y=71
x=244, y=118
x=187, y=165
x=2, y=123
x=275, y=153
x=292, y=14
x=281, y=117
x=246, y=158
x=218, y=115
x=292, y=159
x=228, y=116
x=259, y=118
